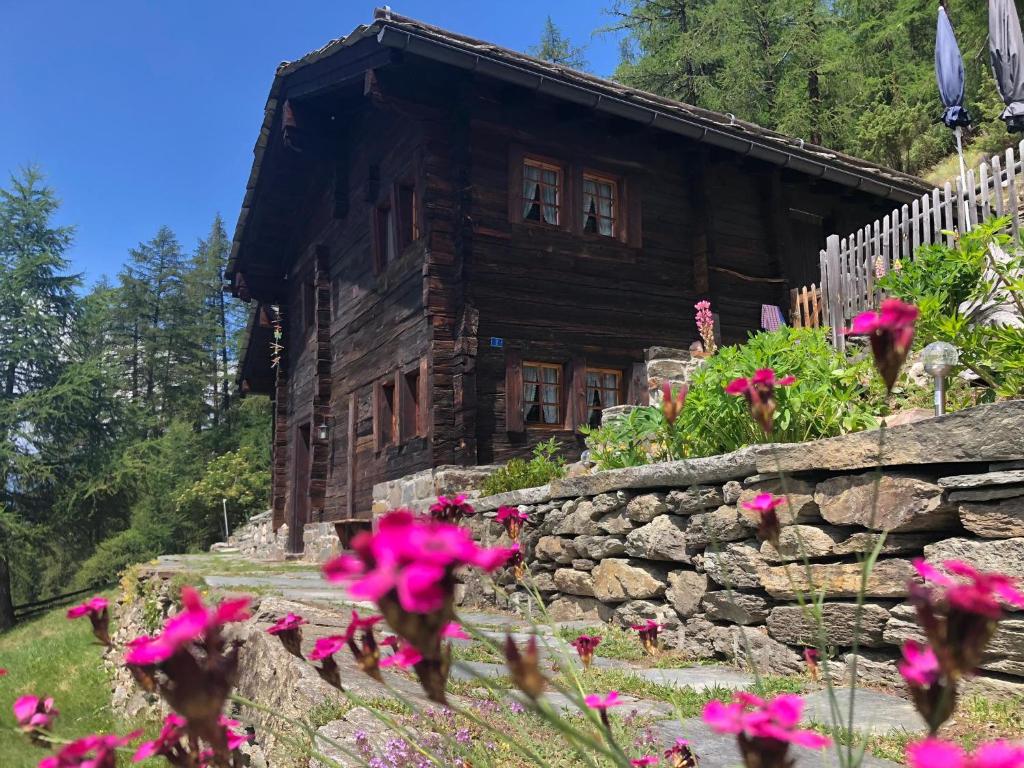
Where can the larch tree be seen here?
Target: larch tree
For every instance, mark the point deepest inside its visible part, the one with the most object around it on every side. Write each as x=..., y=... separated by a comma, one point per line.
x=557, y=48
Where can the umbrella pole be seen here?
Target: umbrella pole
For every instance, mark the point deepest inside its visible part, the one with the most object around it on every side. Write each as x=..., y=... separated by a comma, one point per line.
x=958, y=132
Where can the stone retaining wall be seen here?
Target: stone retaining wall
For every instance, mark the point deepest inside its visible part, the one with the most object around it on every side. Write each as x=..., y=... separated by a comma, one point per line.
x=671, y=541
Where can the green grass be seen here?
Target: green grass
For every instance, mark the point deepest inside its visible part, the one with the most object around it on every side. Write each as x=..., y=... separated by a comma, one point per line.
x=52, y=656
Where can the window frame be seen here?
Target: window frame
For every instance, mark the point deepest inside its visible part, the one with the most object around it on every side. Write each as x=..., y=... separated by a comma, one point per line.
x=617, y=218
x=559, y=423
x=620, y=393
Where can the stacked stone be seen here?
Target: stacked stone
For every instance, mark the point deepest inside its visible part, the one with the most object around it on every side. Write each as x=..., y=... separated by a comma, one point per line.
x=418, y=491
x=673, y=542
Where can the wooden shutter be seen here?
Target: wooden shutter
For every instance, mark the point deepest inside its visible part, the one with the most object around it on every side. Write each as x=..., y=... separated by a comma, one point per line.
x=515, y=184
x=376, y=408
x=426, y=409
x=403, y=403
x=514, y=392
x=634, y=216
x=638, y=391
x=576, y=407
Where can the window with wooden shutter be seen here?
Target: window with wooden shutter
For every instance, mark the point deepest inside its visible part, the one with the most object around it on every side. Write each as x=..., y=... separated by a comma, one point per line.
x=385, y=246
x=384, y=415
x=601, y=202
x=409, y=403
x=407, y=221
x=542, y=394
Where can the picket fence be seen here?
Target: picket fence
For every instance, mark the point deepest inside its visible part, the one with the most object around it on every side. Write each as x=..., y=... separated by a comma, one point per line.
x=851, y=265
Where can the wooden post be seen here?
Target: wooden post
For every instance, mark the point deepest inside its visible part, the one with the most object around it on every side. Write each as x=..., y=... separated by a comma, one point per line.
x=350, y=464
x=833, y=297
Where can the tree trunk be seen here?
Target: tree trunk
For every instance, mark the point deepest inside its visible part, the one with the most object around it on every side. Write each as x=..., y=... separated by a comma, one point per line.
x=6, y=603
x=226, y=381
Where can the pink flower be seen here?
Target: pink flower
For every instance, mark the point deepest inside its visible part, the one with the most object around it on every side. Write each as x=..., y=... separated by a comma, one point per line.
x=91, y=607
x=234, y=733
x=599, y=702
x=34, y=714
x=755, y=720
x=585, y=646
x=342, y=568
x=164, y=744
x=326, y=647
x=759, y=391
x=648, y=633
x=645, y=760
x=769, y=526
x=512, y=519
x=451, y=510
x=935, y=753
x=358, y=623
x=405, y=657
x=959, y=616
x=415, y=558
x=705, y=325
x=919, y=667
x=680, y=755
x=90, y=752
x=289, y=623
x=453, y=631
x=891, y=331
x=672, y=405
x=194, y=622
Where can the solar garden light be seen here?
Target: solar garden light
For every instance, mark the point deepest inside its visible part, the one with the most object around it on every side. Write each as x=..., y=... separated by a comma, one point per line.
x=939, y=359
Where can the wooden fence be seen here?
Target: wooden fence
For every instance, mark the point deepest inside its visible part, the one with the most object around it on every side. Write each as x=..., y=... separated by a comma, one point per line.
x=850, y=265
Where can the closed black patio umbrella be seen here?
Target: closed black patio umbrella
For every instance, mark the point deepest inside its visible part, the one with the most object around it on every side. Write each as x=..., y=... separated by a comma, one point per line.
x=949, y=72
x=1006, y=50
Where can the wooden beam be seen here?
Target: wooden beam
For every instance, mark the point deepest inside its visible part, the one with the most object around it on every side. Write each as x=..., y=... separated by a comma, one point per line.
x=350, y=452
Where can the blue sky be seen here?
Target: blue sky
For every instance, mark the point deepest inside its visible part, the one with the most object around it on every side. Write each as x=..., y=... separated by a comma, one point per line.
x=144, y=113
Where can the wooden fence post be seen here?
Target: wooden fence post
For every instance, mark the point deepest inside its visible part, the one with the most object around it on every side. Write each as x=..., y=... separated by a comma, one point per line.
x=832, y=293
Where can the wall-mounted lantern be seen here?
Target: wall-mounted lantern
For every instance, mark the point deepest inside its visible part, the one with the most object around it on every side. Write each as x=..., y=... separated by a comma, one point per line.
x=939, y=359
x=323, y=431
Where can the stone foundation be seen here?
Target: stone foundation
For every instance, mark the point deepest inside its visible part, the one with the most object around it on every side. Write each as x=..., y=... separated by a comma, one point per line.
x=672, y=541
x=257, y=539
x=418, y=491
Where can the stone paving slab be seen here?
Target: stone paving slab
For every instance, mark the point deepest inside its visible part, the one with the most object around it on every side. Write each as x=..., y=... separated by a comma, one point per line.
x=874, y=712
x=699, y=678
x=717, y=750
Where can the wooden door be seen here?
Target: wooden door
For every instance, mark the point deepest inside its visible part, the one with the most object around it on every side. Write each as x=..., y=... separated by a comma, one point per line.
x=300, y=488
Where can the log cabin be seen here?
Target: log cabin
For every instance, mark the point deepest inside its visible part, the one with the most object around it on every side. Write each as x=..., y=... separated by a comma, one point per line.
x=454, y=251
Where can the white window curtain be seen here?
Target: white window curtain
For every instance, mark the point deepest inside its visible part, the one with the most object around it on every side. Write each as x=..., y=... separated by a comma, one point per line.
x=550, y=394
x=531, y=188
x=549, y=194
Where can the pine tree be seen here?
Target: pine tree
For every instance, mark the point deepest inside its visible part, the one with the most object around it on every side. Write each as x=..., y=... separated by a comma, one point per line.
x=557, y=48
x=37, y=307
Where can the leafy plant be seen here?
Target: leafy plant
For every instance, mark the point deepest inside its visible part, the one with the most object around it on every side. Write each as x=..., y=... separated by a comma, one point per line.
x=955, y=288
x=830, y=397
x=545, y=466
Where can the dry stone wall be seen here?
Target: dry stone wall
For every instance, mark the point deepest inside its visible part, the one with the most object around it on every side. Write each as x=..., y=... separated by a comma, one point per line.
x=672, y=541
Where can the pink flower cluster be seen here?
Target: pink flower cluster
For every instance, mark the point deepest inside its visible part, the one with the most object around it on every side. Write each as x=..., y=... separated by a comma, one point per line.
x=512, y=519
x=451, y=510
x=94, y=606
x=35, y=714
x=768, y=526
x=93, y=751
x=413, y=557
x=890, y=332
x=169, y=742
x=705, y=325
x=754, y=719
x=191, y=624
x=759, y=392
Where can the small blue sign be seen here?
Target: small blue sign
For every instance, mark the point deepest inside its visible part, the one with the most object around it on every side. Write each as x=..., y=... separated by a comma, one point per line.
x=497, y=343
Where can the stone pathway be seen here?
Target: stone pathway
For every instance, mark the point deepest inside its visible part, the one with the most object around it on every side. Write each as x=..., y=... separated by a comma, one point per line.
x=876, y=712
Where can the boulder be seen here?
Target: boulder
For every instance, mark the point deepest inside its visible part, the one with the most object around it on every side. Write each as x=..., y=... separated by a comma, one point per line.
x=731, y=492
x=639, y=611
x=799, y=541
x=582, y=564
x=666, y=474
x=895, y=543
x=544, y=582
x=606, y=503
x=579, y=522
x=646, y=507
x=1004, y=653
x=1000, y=555
x=904, y=503
x=664, y=538
x=574, y=608
x=685, y=590
x=875, y=668
x=983, y=433
x=745, y=644
x=573, y=582
x=618, y=579
x=738, y=566
x=556, y=549
x=600, y=547
x=792, y=625
x=734, y=607
x=984, y=479
x=888, y=579
x=722, y=525
x=994, y=520
x=615, y=523
x=799, y=508
x=693, y=499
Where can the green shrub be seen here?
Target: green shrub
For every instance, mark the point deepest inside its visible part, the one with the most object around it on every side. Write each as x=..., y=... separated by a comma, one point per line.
x=949, y=284
x=831, y=396
x=114, y=555
x=545, y=466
